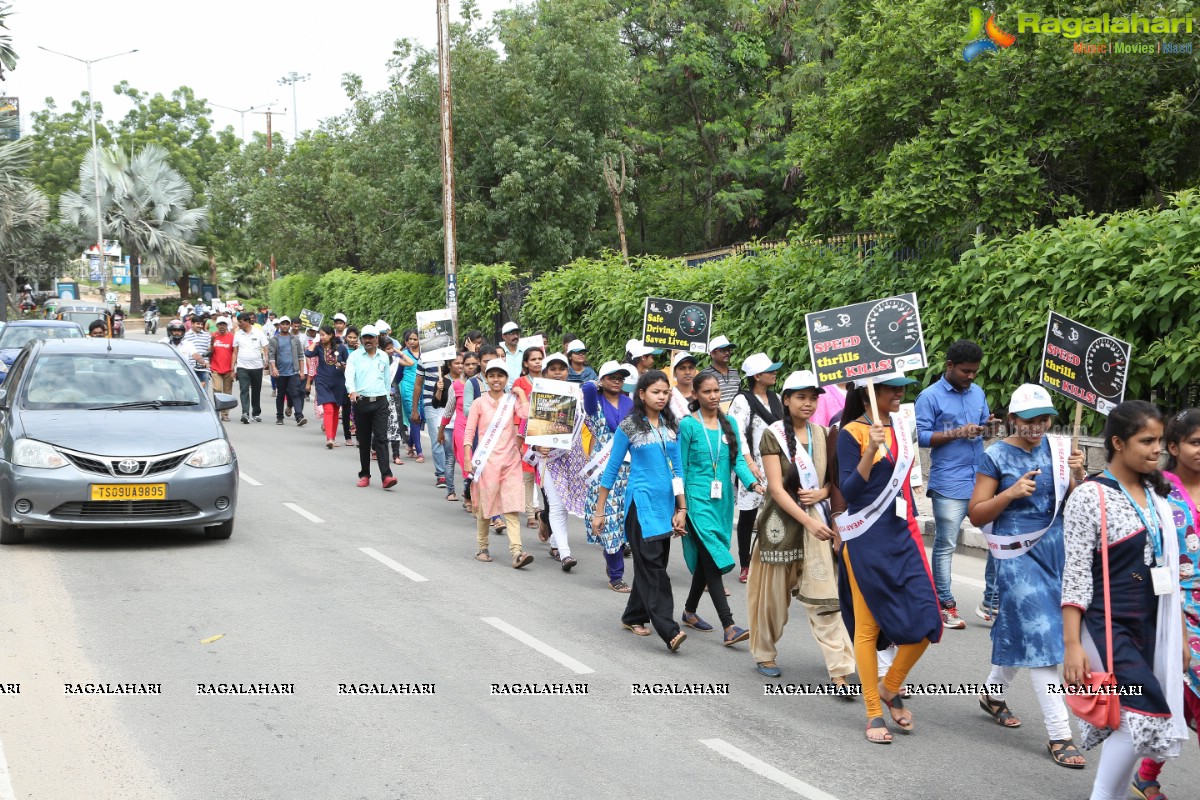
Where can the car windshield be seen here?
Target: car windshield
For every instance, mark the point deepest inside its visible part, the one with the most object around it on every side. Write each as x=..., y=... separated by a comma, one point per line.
x=15, y=337
x=104, y=380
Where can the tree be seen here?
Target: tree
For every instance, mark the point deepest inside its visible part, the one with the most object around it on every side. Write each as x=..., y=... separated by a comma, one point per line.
x=147, y=206
x=23, y=212
x=8, y=56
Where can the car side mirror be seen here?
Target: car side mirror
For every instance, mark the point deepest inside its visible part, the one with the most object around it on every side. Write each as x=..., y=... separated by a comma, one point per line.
x=222, y=401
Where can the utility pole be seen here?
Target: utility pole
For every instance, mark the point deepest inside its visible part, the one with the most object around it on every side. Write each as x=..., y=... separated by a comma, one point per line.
x=291, y=79
x=243, y=112
x=447, y=119
x=270, y=170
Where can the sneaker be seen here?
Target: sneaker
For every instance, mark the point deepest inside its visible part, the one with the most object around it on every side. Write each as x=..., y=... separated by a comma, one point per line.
x=985, y=613
x=258, y=419
x=568, y=563
x=301, y=422
x=279, y=421
x=390, y=481
x=951, y=619
x=364, y=481
x=245, y=420
x=441, y=483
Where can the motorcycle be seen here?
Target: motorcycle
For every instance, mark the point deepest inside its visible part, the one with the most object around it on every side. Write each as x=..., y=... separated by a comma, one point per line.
x=151, y=323
x=118, y=325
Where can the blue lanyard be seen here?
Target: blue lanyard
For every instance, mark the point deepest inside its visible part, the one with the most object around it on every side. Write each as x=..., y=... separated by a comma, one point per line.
x=809, y=447
x=720, y=439
x=1153, y=529
x=663, y=444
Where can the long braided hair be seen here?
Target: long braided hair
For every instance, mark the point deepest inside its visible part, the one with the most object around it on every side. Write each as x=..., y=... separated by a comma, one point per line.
x=791, y=475
x=726, y=428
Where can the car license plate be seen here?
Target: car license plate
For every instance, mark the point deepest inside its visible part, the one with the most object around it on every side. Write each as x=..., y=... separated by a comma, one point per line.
x=129, y=491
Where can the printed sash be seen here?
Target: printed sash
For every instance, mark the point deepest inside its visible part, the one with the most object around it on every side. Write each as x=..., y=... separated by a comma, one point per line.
x=488, y=440
x=851, y=526
x=804, y=465
x=1019, y=544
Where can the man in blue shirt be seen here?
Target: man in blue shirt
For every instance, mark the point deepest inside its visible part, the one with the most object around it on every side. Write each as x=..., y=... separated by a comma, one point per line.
x=367, y=373
x=952, y=417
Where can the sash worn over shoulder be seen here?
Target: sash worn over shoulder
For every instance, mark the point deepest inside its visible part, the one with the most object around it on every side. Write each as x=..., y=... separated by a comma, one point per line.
x=503, y=417
x=1021, y=543
x=804, y=464
x=851, y=526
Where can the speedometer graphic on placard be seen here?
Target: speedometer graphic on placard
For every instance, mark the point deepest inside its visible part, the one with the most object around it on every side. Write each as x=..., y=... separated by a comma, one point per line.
x=1104, y=364
x=893, y=327
x=693, y=320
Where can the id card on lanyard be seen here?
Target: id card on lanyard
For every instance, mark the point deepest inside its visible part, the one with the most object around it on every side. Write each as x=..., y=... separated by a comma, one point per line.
x=676, y=481
x=1160, y=576
x=714, y=488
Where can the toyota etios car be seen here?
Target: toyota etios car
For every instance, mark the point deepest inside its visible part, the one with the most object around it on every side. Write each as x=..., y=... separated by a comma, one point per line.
x=100, y=433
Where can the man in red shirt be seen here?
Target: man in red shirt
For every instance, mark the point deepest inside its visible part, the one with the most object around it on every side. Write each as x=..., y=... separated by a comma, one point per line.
x=221, y=362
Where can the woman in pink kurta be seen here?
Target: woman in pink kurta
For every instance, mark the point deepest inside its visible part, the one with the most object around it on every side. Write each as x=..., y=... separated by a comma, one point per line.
x=498, y=489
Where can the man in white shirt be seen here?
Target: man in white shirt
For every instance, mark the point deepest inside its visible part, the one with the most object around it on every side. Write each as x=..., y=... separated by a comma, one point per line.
x=249, y=358
x=513, y=354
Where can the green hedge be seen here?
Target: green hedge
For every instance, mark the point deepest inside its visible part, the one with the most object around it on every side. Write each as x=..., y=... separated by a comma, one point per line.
x=1134, y=275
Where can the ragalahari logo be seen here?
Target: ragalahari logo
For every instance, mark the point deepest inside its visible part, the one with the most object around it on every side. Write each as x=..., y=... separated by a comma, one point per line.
x=985, y=37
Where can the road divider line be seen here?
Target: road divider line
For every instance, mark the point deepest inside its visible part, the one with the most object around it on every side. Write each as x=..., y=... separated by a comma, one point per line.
x=387, y=562
x=305, y=514
x=248, y=479
x=764, y=769
x=543, y=648
x=6, y=787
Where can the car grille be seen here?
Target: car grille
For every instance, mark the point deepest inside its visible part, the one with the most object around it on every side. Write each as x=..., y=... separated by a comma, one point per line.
x=146, y=465
x=124, y=509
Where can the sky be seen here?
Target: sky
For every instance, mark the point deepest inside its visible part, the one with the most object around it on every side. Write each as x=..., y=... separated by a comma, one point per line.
x=230, y=52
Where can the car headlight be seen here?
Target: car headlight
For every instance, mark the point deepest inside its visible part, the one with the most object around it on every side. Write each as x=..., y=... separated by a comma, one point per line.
x=32, y=453
x=211, y=454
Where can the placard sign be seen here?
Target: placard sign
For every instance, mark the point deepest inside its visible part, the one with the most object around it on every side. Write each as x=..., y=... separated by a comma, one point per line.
x=553, y=411
x=436, y=333
x=866, y=340
x=311, y=319
x=677, y=324
x=1084, y=364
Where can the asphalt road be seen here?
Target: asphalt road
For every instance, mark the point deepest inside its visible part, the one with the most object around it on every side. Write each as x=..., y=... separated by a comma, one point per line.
x=318, y=604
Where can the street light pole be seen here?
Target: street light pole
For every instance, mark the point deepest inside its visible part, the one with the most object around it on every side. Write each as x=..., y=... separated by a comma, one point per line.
x=447, y=124
x=95, y=152
x=243, y=112
x=291, y=79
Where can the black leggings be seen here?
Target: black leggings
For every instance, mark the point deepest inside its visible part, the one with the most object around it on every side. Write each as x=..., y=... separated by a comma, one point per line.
x=708, y=576
x=745, y=530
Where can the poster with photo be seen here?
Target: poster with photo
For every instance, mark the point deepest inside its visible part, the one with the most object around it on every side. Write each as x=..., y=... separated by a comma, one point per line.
x=436, y=333
x=554, y=409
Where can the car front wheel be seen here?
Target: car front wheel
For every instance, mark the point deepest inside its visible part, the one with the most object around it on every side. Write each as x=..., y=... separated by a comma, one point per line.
x=222, y=531
x=10, y=534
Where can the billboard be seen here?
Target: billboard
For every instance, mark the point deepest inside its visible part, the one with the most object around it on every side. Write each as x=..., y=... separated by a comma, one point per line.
x=10, y=119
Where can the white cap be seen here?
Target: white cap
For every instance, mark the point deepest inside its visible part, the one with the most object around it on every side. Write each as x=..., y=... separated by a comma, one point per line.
x=340, y=316
x=494, y=364
x=1030, y=400
x=509, y=327
x=758, y=364
x=369, y=330
x=682, y=356
x=717, y=342
x=283, y=319
x=636, y=349
x=559, y=357
x=610, y=367
x=575, y=346
x=801, y=379
x=224, y=320
x=380, y=325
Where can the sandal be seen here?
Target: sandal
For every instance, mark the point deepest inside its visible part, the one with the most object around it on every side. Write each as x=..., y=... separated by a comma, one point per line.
x=999, y=711
x=532, y=522
x=451, y=498
x=568, y=563
x=842, y=689
x=1147, y=790
x=692, y=620
x=1062, y=749
x=640, y=630
x=420, y=459
x=874, y=724
x=522, y=559
x=398, y=461
x=673, y=645
x=905, y=724
x=543, y=534
x=554, y=554
x=619, y=586
x=483, y=555
x=329, y=444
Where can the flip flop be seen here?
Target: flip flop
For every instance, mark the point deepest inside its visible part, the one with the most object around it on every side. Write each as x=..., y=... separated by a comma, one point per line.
x=640, y=630
x=897, y=704
x=877, y=722
x=483, y=555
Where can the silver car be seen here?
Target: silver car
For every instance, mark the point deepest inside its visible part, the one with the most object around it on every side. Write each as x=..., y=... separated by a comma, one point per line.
x=102, y=433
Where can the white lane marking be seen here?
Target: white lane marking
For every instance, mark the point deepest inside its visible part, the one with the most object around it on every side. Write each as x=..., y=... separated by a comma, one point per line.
x=6, y=788
x=249, y=480
x=540, y=646
x=305, y=514
x=387, y=562
x=766, y=770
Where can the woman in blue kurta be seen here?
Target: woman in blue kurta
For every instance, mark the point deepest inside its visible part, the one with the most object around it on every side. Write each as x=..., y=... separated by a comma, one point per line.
x=710, y=450
x=331, y=379
x=606, y=406
x=1021, y=484
x=653, y=511
x=885, y=585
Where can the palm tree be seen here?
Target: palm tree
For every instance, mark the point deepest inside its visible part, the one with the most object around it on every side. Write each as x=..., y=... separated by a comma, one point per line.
x=146, y=205
x=8, y=56
x=24, y=209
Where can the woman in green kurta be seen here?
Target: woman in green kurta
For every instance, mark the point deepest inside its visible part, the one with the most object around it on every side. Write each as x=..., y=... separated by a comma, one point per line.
x=708, y=447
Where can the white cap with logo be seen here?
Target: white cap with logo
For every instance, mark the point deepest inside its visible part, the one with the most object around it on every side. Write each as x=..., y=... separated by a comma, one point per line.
x=801, y=379
x=759, y=363
x=1030, y=401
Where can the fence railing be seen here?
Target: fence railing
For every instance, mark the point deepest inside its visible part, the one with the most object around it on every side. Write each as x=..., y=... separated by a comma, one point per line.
x=861, y=245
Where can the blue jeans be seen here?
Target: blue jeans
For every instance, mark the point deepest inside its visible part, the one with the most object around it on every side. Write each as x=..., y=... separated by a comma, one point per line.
x=433, y=420
x=948, y=516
